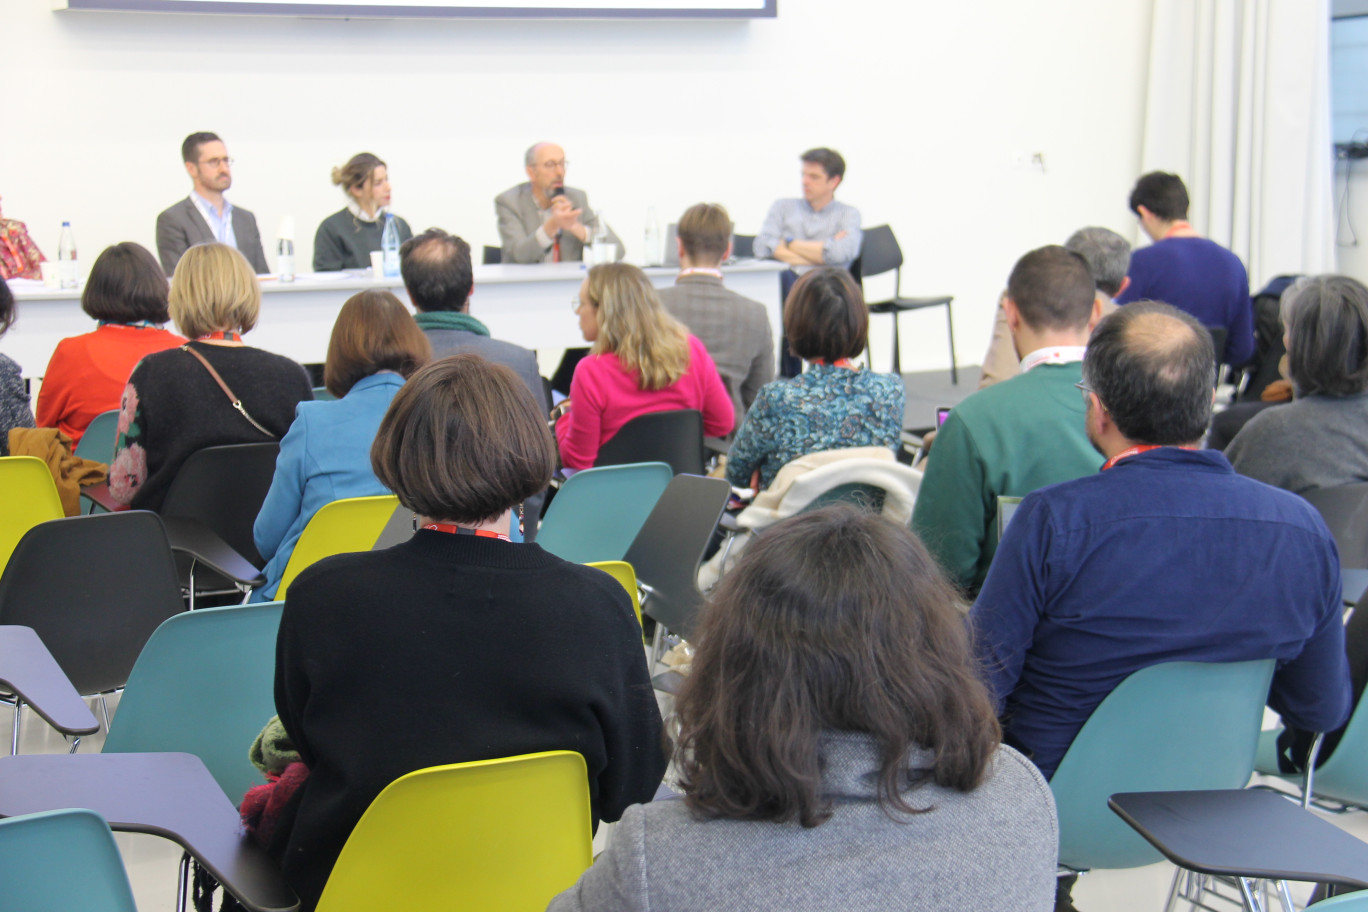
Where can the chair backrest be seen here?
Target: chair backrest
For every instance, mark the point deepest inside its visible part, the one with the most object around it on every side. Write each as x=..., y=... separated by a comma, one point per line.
x=505, y=834
x=62, y=860
x=879, y=252
x=30, y=497
x=204, y=685
x=674, y=438
x=743, y=246
x=492, y=255
x=1345, y=510
x=353, y=524
x=1349, y=902
x=597, y=512
x=94, y=588
x=223, y=487
x=668, y=549
x=626, y=577
x=1219, y=335
x=321, y=394
x=1343, y=776
x=1169, y=727
x=97, y=443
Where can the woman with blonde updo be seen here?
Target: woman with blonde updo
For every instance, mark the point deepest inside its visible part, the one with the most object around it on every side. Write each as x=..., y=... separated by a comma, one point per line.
x=642, y=360
x=346, y=238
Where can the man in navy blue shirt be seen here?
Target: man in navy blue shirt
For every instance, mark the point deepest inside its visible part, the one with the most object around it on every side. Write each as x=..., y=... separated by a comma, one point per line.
x=1164, y=555
x=1182, y=268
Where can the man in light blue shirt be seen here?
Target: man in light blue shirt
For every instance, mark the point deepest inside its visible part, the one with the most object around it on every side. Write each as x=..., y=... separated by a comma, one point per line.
x=206, y=216
x=813, y=231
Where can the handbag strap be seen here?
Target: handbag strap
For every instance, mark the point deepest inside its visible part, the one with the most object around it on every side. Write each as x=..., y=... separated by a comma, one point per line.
x=232, y=397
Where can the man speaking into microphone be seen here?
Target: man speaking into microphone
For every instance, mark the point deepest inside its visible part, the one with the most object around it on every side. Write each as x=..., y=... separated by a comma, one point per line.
x=542, y=220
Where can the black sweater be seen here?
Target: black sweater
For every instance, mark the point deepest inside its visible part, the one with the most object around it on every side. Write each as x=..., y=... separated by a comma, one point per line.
x=451, y=648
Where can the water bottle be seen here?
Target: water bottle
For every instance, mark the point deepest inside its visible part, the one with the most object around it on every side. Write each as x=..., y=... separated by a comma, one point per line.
x=66, y=257
x=652, y=238
x=605, y=251
x=285, y=259
x=389, y=247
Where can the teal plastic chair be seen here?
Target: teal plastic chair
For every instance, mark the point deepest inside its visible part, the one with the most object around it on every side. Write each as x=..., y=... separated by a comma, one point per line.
x=97, y=443
x=1343, y=778
x=60, y=860
x=1349, y=902
x=204, y=685
x=597, y=512
x=1169, y=727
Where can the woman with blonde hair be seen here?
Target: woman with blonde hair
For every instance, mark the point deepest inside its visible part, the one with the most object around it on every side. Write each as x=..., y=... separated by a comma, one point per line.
x=643, y=360
x=375, y=347
x=176, y=403
x=346, y=238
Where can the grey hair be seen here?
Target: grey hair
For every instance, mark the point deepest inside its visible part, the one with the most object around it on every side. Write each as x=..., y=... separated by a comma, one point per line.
x=530, y=156
x=1326, y=321
x=1107, y=255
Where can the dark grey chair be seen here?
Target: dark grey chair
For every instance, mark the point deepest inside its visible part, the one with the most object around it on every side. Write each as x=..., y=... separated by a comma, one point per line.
x=1345, y=510
x=674, y=438
x=879, y=253
x=743, y=246
x=94, y=588
x=492, y=255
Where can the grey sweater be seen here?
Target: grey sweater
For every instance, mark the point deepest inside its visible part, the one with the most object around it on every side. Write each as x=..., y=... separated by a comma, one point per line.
x=1313, y=442
x=990, y=849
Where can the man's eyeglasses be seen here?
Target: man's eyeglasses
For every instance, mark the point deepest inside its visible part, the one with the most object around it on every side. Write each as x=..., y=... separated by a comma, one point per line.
x=553, y=165
x=217, y=162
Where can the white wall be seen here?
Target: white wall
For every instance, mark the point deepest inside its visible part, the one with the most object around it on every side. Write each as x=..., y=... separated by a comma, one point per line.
x=931, y=103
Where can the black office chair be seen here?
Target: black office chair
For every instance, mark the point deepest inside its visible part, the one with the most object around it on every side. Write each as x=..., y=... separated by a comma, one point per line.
x=879, y=252
x=1345, y=511
x=674, y=438
x=492, y=255
x=743, y=246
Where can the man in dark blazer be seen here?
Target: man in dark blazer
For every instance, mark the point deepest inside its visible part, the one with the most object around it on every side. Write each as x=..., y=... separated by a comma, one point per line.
x=205, y=215
x=544, y=221
x=439, y=278
x=734, y=329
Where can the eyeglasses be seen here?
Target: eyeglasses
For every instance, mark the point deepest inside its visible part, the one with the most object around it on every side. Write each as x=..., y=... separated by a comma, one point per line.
x=1080, y=385
x=575, y=304
x=217, y=162
x=553, y=165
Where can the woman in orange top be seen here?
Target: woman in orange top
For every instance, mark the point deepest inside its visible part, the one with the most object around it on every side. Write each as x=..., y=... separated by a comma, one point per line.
x=127, y=293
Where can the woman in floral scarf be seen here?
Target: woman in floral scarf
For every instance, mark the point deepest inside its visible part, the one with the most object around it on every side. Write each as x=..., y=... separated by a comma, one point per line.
x=19, y=256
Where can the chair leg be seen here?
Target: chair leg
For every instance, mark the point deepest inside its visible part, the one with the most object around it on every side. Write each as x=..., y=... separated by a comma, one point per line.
x=14, y=739
x=897, y=359
x=950, y=325
x=75, y=743
x=182, y=881
x=104, y=710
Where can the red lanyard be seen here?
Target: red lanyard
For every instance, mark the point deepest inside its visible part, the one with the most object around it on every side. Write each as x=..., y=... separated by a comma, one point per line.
x=1177, y=227
x=222, y=334
x=453, y=529
x=1135, y=450
x=840, y=362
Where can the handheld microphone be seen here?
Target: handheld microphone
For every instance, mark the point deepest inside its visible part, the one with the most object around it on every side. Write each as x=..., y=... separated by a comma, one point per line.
x=557, y=191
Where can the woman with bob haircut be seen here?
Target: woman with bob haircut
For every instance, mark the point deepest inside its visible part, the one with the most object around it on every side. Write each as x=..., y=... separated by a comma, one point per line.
x=837, y=747
x=325, y=456
x=1320, y=439
x=458, y=644
x=833, y=405
x=174, y=404
x=345, y=239
x=127, y=293
x=643, y=360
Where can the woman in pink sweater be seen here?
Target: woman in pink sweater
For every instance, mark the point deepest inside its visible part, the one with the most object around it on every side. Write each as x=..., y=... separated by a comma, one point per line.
x=642, y=360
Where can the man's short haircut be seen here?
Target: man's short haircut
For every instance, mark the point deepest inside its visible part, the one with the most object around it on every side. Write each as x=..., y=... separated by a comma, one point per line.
x=373, y=332
x=1153, y=369
x=829, y=159
x=190, y=148
x=1326, y=319
x=1161, y=193
x=1052, y=288
x=437, y=271
x=1107, y=255
x=463, y=441
x=126, y=285
x=825, y=317
x=214, y=288
x=705, y=230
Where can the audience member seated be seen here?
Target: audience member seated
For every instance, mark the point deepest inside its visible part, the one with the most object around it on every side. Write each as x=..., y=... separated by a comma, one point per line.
x=1018, y=435
x=14, y=400
x=375, y=346
x=176, y=403
x=19, y=256
x=1320, y=439
x=1184, y=269
x=735, y=330
x=345, y=239
x=459, y=644
x=642, y=360
x=127, y=293
x=1165, y=555
x=837, y=747
x=833, y=405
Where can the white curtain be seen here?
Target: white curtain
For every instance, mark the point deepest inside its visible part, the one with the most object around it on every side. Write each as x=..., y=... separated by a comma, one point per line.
x=1238, y=105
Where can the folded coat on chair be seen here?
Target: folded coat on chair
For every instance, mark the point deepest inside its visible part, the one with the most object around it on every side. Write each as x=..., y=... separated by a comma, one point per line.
x=69, y=472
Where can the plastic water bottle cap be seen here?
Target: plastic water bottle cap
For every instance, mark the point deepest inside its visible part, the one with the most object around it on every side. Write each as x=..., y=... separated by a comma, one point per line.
x=66, y=224
x=286, y=231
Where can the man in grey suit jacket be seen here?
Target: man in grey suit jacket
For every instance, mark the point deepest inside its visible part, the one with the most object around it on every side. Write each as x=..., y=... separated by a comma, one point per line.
x=439, y=278
x=734, y=329
x=544, y=221
x=205, y=215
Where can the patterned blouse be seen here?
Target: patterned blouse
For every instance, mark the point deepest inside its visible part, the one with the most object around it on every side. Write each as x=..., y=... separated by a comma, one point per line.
x=826, y=408
x=19, y=256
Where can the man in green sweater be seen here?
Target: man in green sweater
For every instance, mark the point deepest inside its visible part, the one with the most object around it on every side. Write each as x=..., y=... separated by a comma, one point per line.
x=1018, y=435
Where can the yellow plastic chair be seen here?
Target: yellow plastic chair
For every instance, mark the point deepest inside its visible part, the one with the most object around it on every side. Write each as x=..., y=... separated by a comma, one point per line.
x=506, y=835
x=346, y=525
x=624, y=574
x=29, y=498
